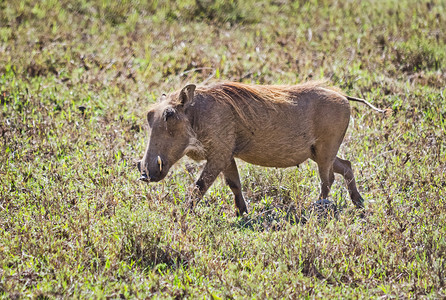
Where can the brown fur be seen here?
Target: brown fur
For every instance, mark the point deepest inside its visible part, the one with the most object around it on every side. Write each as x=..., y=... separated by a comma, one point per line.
x=269, y=125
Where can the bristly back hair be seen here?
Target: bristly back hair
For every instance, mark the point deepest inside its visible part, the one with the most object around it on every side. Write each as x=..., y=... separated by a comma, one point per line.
x=241, y=96
x=227, y=91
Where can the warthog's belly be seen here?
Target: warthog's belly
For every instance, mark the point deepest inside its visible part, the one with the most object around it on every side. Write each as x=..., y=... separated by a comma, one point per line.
x=279, y=160
x=275, y=150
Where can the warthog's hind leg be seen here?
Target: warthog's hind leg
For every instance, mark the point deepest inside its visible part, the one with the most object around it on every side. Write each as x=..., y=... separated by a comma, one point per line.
x=233, y=181
x=327, y=178
x=344, y=167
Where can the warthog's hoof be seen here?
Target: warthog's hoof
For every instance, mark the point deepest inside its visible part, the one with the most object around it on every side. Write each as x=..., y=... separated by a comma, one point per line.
x=240, y=213
x=323, y=208
x=359, y=203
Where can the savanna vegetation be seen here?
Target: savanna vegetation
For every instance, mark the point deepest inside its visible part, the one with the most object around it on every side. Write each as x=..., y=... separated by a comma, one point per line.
x=76, y=79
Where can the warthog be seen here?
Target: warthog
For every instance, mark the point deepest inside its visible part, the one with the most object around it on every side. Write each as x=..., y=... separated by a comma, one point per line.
x=267, y=125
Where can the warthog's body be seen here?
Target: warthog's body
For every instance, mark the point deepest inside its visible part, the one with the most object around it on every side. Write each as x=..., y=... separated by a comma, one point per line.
x=272, y=126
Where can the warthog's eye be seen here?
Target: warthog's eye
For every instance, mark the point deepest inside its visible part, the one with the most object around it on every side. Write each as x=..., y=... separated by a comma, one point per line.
x=168, y=113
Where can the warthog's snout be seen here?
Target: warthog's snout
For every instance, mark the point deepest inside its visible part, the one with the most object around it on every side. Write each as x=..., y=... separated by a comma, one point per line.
x=143, y=173
x=152, y=172
x=144, y=177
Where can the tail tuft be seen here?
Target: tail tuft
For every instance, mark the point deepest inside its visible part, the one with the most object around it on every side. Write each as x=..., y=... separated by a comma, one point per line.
x=388, y=112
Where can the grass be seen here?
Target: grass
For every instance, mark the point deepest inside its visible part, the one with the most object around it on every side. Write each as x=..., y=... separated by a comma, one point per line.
x=76, y=78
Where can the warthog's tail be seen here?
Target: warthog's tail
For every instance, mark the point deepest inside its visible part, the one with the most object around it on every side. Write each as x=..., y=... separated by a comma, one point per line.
x=385, y=111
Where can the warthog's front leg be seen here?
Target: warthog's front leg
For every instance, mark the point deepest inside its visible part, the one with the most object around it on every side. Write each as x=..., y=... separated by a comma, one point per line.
x=207, y=177
x=233, y=181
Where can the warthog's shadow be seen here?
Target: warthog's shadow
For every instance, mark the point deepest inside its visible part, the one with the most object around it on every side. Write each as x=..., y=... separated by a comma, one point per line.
x=276, y=218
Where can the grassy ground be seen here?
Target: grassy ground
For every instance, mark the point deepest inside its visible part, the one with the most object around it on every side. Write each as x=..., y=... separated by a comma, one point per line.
x=76, y=78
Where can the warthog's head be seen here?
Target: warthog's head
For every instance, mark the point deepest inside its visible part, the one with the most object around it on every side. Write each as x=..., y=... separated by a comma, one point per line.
x=170, y=134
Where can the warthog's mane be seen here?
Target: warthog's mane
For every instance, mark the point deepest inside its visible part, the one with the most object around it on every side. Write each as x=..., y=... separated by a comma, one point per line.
x=243, y=97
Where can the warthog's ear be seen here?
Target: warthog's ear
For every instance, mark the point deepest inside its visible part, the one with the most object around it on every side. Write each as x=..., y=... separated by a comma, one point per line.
x=187, y=95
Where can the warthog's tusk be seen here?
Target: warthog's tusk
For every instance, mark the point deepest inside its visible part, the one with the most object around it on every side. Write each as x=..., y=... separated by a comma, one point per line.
x=160, y=162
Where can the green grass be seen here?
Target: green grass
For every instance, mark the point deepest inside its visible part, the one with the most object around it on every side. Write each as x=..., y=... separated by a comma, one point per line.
x=76, y=78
